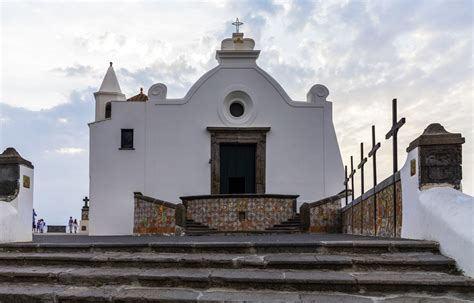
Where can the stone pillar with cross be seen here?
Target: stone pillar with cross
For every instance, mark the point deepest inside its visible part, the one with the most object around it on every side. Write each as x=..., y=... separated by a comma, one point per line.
x=84, y=229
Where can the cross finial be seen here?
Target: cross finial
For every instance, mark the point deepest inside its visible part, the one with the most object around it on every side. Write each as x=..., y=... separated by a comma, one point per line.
x=85, y=201
x=237, y=24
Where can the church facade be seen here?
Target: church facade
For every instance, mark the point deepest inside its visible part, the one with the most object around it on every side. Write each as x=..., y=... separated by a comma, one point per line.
x=236, y=132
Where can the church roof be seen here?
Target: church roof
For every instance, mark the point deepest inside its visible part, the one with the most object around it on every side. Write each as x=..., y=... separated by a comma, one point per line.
x=141, y=97
x=110, y=83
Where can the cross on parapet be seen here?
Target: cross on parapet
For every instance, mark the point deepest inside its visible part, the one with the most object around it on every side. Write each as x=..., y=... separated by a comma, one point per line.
x=346, y=180
x=373, y=154
x=237, y=24
x=361, y=167
x=351, y=176
x=393, y=133
x=86, y=200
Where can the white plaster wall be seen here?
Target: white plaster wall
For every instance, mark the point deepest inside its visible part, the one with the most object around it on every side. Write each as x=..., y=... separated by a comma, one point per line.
x=299, y=160
x=16, y=217
x=115, y=174
x=101, y=100
x=440, y=214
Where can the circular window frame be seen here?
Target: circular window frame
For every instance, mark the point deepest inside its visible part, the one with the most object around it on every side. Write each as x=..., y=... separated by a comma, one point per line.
x=241, y=95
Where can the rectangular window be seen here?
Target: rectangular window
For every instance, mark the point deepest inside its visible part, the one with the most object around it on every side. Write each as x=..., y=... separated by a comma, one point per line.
x=127, y=139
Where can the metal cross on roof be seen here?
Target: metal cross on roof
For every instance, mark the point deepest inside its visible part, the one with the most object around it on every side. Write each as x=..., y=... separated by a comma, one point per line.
x=237, y=24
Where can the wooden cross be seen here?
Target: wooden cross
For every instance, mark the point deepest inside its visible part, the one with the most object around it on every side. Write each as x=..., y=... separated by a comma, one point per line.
x=373, y=154
x=85, y=201
x=237, y=24
x=351, y=176
x=346, y=180
x=361, y=167
x=393, y=133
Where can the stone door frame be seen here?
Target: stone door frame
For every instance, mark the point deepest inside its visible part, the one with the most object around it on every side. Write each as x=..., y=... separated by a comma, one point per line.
x=238, y=135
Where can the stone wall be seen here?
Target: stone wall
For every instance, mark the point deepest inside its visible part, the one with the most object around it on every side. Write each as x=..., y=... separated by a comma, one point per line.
x=372, y=214
x=246, y=212
x=322, y=216
x=153, y=216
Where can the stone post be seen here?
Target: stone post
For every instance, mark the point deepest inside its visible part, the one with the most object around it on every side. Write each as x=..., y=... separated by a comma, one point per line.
x=84, y=228
x=16, y=197
x=439, y=158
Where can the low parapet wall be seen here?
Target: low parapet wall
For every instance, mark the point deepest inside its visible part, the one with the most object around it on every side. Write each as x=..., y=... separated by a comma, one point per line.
x=243, y=212
x=154, y=216
x=323, y=216
x=373, y=214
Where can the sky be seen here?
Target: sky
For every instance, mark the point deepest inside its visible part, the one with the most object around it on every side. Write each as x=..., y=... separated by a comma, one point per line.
x=54, y=55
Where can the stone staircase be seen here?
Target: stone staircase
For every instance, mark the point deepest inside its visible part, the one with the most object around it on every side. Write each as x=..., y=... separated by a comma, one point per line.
x=293, y=225
x=193, y=227
x=376, y=270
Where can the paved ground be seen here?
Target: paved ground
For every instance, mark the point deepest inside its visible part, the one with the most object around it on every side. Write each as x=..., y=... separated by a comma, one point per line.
x=271, y=238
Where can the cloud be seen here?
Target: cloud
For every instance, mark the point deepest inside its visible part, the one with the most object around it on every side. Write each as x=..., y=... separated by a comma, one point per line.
x=69, y=150
x=59, y=152
x=75, y=70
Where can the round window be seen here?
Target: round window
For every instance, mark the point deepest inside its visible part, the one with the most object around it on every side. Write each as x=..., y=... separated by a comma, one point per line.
x=236, y=109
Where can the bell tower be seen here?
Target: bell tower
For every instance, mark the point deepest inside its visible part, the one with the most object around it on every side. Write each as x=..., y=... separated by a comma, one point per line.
x=109, y=91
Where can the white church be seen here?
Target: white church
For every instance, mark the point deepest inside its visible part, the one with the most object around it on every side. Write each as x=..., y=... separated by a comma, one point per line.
x=235, y=132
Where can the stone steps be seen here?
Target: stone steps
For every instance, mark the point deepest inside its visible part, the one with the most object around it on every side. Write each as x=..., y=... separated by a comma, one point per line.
x=245, y=233
x=346, y=262
x=291, y=225
x=197, y=228
x=327, y=247
x=244, y=271
x=40, y=292
x=205, y=278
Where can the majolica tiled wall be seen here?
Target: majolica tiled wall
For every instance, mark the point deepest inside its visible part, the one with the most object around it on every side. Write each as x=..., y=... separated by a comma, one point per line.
x=325, y=218
x=153, y=216
x=240, y=213
x=360, y=217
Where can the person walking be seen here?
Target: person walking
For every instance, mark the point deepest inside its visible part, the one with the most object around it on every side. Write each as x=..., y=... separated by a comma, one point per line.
x=75, y=226
x=34, y=220
x=40, y=225
x=70, y=224
x=44, y=228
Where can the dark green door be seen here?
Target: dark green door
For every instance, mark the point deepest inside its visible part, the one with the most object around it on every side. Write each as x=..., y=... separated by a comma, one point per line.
x=237, y=168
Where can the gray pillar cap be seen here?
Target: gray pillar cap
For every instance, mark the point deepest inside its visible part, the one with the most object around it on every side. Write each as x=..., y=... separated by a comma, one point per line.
x=435, y=134
x=11, y=156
